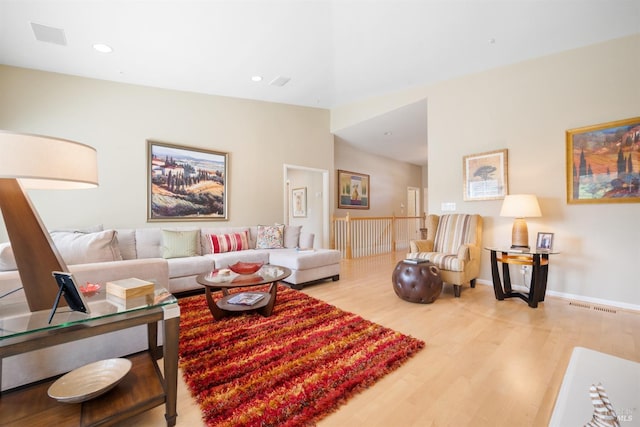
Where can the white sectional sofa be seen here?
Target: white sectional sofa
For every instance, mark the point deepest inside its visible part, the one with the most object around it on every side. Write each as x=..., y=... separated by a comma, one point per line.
x=170, y=257
x=146, y=253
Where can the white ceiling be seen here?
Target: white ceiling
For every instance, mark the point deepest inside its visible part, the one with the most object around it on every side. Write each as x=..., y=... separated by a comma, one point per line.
x=334, y=51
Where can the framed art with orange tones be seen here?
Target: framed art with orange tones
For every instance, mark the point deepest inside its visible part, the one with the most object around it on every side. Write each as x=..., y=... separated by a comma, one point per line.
x=603, y=163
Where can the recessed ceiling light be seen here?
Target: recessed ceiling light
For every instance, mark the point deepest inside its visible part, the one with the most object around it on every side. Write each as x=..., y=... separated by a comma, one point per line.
x=103, y=48
x=256, y=78
x=388, y=133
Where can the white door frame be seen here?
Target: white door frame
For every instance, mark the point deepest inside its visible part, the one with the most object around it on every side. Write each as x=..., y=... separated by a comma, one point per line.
x=325, y=238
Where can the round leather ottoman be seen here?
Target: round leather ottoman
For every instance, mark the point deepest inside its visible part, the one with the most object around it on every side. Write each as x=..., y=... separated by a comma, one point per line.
x=419, y=283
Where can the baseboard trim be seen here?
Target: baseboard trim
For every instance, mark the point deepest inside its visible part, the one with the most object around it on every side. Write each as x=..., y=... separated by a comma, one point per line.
x=574, y=297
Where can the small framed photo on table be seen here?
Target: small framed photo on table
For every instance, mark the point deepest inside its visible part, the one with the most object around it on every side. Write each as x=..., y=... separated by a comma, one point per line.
x=544, y=242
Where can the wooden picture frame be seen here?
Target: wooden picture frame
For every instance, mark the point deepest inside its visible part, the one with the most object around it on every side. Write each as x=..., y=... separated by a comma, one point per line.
x=185, y=183
x=544, y=242
x=354, y=190
x=603, y=163
x=485, y=176
x=299, y=202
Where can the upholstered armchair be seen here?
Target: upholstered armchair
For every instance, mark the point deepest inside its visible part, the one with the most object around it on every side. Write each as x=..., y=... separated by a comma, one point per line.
x=453, y=244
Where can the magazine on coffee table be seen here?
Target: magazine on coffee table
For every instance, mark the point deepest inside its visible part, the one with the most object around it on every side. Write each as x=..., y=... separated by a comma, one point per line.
x=245, y=298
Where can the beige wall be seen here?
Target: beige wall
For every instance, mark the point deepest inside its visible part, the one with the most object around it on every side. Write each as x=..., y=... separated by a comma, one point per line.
x=117, y=119
x=527, y=108
x=389, y=180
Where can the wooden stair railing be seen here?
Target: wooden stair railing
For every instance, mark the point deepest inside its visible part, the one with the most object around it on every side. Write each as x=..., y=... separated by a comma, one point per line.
x=356, y=237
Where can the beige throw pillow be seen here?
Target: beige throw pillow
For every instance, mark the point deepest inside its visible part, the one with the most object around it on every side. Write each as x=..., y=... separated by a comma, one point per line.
x=83, y=248
x=179, y=244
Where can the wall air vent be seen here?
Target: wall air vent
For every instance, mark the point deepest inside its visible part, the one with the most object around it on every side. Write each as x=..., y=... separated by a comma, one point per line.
x=48, y=34
x=279, y=81
x=595, y=307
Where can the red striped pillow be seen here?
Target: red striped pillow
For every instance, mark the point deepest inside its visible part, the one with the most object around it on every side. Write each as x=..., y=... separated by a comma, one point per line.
x=229, y=242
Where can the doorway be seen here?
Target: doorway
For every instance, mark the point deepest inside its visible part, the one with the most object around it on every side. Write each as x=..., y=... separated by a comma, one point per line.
x=315, y=183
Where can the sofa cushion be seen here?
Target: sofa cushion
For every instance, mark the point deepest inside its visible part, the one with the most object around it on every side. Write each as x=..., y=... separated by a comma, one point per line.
x=75, y=247
x=452, y=230
x=295, y=260
x=127, y=243
x=270, y=237
x=82, y=248
x=189, y=266
x=442, y=261
x=148, y=243
x=231, y=242
x=292, y=236
x=179, y=243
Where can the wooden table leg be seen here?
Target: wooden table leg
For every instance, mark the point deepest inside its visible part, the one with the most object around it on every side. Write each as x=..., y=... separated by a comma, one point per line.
x=506, y=276
x=495, y=275
x=171, y=330
x=534, y=288
x=544, y=272
x=216, y=312
x=268, y=309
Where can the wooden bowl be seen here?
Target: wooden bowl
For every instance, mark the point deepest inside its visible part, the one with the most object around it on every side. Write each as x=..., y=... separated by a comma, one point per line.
x=245, y=267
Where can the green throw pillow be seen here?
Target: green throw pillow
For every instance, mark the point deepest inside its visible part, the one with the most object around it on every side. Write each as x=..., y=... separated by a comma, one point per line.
x=179, y=244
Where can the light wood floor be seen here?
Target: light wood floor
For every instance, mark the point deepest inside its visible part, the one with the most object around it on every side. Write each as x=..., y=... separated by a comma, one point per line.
x=485, y=363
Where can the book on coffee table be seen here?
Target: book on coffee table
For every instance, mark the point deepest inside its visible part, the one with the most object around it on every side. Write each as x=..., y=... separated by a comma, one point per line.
x=245, y=298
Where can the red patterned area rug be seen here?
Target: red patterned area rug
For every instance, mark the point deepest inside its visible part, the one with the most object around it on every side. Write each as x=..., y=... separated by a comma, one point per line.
x=290, y=369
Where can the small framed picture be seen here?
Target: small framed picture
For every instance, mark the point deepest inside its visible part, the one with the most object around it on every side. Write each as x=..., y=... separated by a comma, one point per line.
x=299, y=205
x=485, y=176
x=544, y=242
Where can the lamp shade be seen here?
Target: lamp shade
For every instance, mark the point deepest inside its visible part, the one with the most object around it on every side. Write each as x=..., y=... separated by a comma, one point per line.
x=520, y=206
x=32, y=161
x=47, y=163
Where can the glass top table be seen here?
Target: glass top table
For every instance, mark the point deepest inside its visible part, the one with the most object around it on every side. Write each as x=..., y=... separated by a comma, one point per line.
x=23, y=331
x=538, y=259
x=16, y=319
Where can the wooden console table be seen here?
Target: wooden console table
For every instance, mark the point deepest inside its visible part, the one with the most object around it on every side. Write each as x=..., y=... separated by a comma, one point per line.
x=144, y=387
x=539, y=262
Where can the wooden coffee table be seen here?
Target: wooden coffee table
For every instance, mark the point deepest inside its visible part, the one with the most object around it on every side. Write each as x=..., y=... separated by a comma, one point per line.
x=225, y=280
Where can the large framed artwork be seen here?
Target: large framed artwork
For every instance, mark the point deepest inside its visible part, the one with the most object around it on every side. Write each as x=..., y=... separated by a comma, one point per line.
x=299, y=205
x=603, y=163
x=186, y=183
x=354, y=191
x=485, y=176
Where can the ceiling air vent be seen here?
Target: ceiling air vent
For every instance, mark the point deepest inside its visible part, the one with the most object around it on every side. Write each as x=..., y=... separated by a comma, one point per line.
x=48, y=34
x=279, y=81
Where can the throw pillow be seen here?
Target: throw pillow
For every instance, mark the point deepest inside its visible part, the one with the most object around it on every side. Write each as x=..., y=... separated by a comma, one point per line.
x=424, y=245
x=292, y=236
x=270, y=237
x=179, y=243
x=229, y=242
x=83, y=248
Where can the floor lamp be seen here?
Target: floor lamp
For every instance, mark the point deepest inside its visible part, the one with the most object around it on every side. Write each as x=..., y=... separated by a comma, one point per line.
x=32, y=161
x=520, y=206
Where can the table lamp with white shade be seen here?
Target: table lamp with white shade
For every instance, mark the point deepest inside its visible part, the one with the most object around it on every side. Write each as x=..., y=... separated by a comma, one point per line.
x=520, y=206
x=33, y=161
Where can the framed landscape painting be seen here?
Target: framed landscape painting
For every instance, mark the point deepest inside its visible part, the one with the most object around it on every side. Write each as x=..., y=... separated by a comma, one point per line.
x=186, y=183
x=484, y=176
x=603, y=163
x=354, y=191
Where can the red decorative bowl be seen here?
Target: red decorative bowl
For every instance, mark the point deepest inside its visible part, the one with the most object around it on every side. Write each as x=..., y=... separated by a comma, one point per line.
x=246, y=267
